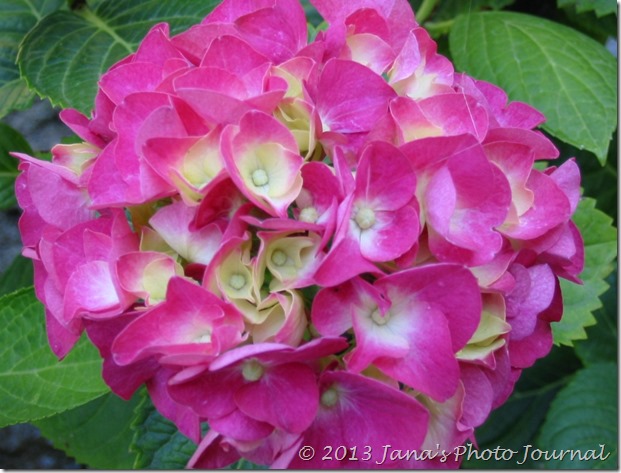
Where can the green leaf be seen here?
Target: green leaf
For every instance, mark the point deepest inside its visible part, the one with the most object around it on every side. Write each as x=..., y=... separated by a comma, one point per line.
x=449, y=9
x=601, y=7
x=157, y=442
x=602, y=338
x=583, y=417
x=570, y=77
x=17, y=17
x=580, y=301
x=17, y=276
x=10, y=140
x=33, y=383
x=64, y=55
x=96, y=434
x=160, y=446
x=517, y=421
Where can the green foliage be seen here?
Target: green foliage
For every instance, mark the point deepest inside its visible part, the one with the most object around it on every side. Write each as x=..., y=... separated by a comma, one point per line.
x=583, y=417
x=570, y=77
x=33, y=383
x=517, y=422
x=17, y=17
x=600, y=248
x=160, y=446
x=96, y=434
x=10, y=140
x=449, y=9
x=601, y=7
x=157, y=442
x=601, y=342
x=64, y=55
x=18, y=275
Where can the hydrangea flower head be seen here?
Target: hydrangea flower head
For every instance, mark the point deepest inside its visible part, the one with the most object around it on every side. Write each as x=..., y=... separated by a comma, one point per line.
x=304, y=244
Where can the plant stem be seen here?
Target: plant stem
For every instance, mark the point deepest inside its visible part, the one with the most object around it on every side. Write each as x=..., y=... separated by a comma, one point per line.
x=425, y=10
x=439, y=28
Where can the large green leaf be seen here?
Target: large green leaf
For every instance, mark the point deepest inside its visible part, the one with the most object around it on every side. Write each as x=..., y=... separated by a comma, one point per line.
x=64, y=55
x=157, y=442
x=18, y=275
x=17, y=17
x=10, y=140
x=33, y=383
x=570, y=77
x=160, y=446
x=448, y=9
x=602, y=338
x=580, y=301
x=516, y=423
x=583, y=417
x=96, y=434
x=601, y=7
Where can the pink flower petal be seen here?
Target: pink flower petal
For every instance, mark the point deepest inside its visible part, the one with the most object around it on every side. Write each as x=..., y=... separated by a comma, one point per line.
x=369, y=415
x=286, y=397
x=350, y=97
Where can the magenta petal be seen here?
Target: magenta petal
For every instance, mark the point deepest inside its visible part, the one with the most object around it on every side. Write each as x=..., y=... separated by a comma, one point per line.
x=452, y=289
x=525, y=352
x=430, y=366
x=384, y=177
x=477, y=402
x=343, y=262
x=188, y=322
x=351, y=97
x=533, y=293
x=91, y=288
x=239, y=426
x=286, y=397
x=368, y=414
x=129, y=78
x=61, y=339
x=185, y=419
x=331, y=311
x=209, y=394
x=393, y=234
x=211, y=454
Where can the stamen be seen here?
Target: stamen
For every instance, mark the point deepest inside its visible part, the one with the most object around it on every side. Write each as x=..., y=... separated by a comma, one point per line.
x=237, y=281
x=279, y=257
x=252, y=370
x=365, y=218
x=260, y=177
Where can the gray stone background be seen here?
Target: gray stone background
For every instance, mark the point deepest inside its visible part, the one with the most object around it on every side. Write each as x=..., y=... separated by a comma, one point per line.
x=22, y=446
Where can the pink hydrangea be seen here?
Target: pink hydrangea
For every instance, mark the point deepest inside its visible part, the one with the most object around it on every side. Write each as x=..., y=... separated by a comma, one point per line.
x=303, y=244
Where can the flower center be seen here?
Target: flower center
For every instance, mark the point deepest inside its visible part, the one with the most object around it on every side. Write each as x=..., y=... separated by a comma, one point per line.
x=237, y=281
x=260, y=177
x=279, y=257
x=378, y=318
x=252, y=370
x=309, y=215
x=329, y=397
x=365, y=218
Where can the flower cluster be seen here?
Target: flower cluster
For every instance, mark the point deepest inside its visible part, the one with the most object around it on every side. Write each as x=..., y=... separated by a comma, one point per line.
x=334, y=242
